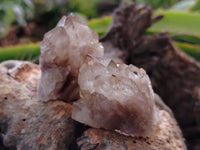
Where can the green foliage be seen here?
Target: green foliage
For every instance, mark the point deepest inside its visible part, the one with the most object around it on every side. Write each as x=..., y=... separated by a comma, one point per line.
x=184, y=38
x=158, y=3
x=85, y=7
x=21, y=52
x=183, y=5
x=165, y=4
x=178, y=22
x=45, y=12
x=100, y=25
x=6, y=17
x=196, y=6
x=190, y=49
x=17, y=11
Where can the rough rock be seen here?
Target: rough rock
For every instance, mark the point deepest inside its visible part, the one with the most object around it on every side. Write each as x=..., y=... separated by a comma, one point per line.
x=25, y=122
x=63, y=51
x=166, y=136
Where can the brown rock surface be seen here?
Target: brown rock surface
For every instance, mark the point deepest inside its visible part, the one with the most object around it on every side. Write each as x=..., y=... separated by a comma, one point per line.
x=25, y=122
x=166, y=136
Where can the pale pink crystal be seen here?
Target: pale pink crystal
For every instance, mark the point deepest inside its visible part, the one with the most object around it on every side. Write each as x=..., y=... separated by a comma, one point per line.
x=112, y=96
x=63, y=51
x=115, y=97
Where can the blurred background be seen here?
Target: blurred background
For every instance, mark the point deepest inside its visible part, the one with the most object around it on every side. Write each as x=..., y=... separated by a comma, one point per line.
x=24, y=22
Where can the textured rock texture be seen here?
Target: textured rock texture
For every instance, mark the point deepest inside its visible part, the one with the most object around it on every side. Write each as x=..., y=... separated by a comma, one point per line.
x=174, y=75
x=63, y=51
x=115, y=97
x=25, y=122
x=166, y=136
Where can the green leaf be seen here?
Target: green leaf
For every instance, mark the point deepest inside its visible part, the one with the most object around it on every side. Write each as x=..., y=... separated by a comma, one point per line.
x=28, y=52
x=178, y=22
x=190, y=49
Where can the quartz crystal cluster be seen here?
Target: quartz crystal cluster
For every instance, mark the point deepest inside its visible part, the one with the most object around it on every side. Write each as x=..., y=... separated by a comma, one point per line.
x=63, y=51
x=115, y=97
x=110, y=96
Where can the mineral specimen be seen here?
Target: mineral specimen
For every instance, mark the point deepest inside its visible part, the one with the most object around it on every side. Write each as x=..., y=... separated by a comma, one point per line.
x=63, y=51
x=71, y=52
x=115, y=97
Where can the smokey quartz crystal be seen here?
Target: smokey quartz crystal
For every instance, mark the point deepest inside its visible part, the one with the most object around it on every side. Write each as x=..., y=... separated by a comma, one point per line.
x=115, y=97
x=107, y=95
x=63, y=51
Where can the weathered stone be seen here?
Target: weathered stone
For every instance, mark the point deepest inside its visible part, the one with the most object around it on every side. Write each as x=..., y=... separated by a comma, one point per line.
x=25, y=122
x=166, y=136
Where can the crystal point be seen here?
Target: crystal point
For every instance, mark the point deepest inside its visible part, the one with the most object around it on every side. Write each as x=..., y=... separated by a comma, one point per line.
x=101, y=60
x=63, y=50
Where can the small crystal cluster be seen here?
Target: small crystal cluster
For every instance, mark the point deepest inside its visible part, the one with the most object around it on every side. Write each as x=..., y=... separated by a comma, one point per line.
x=111, y=96
x=115, y=97
x=63, y=51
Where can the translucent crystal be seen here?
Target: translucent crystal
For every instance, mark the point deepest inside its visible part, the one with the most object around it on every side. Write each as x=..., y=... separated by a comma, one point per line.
x=63, y=51
x=115, y=97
